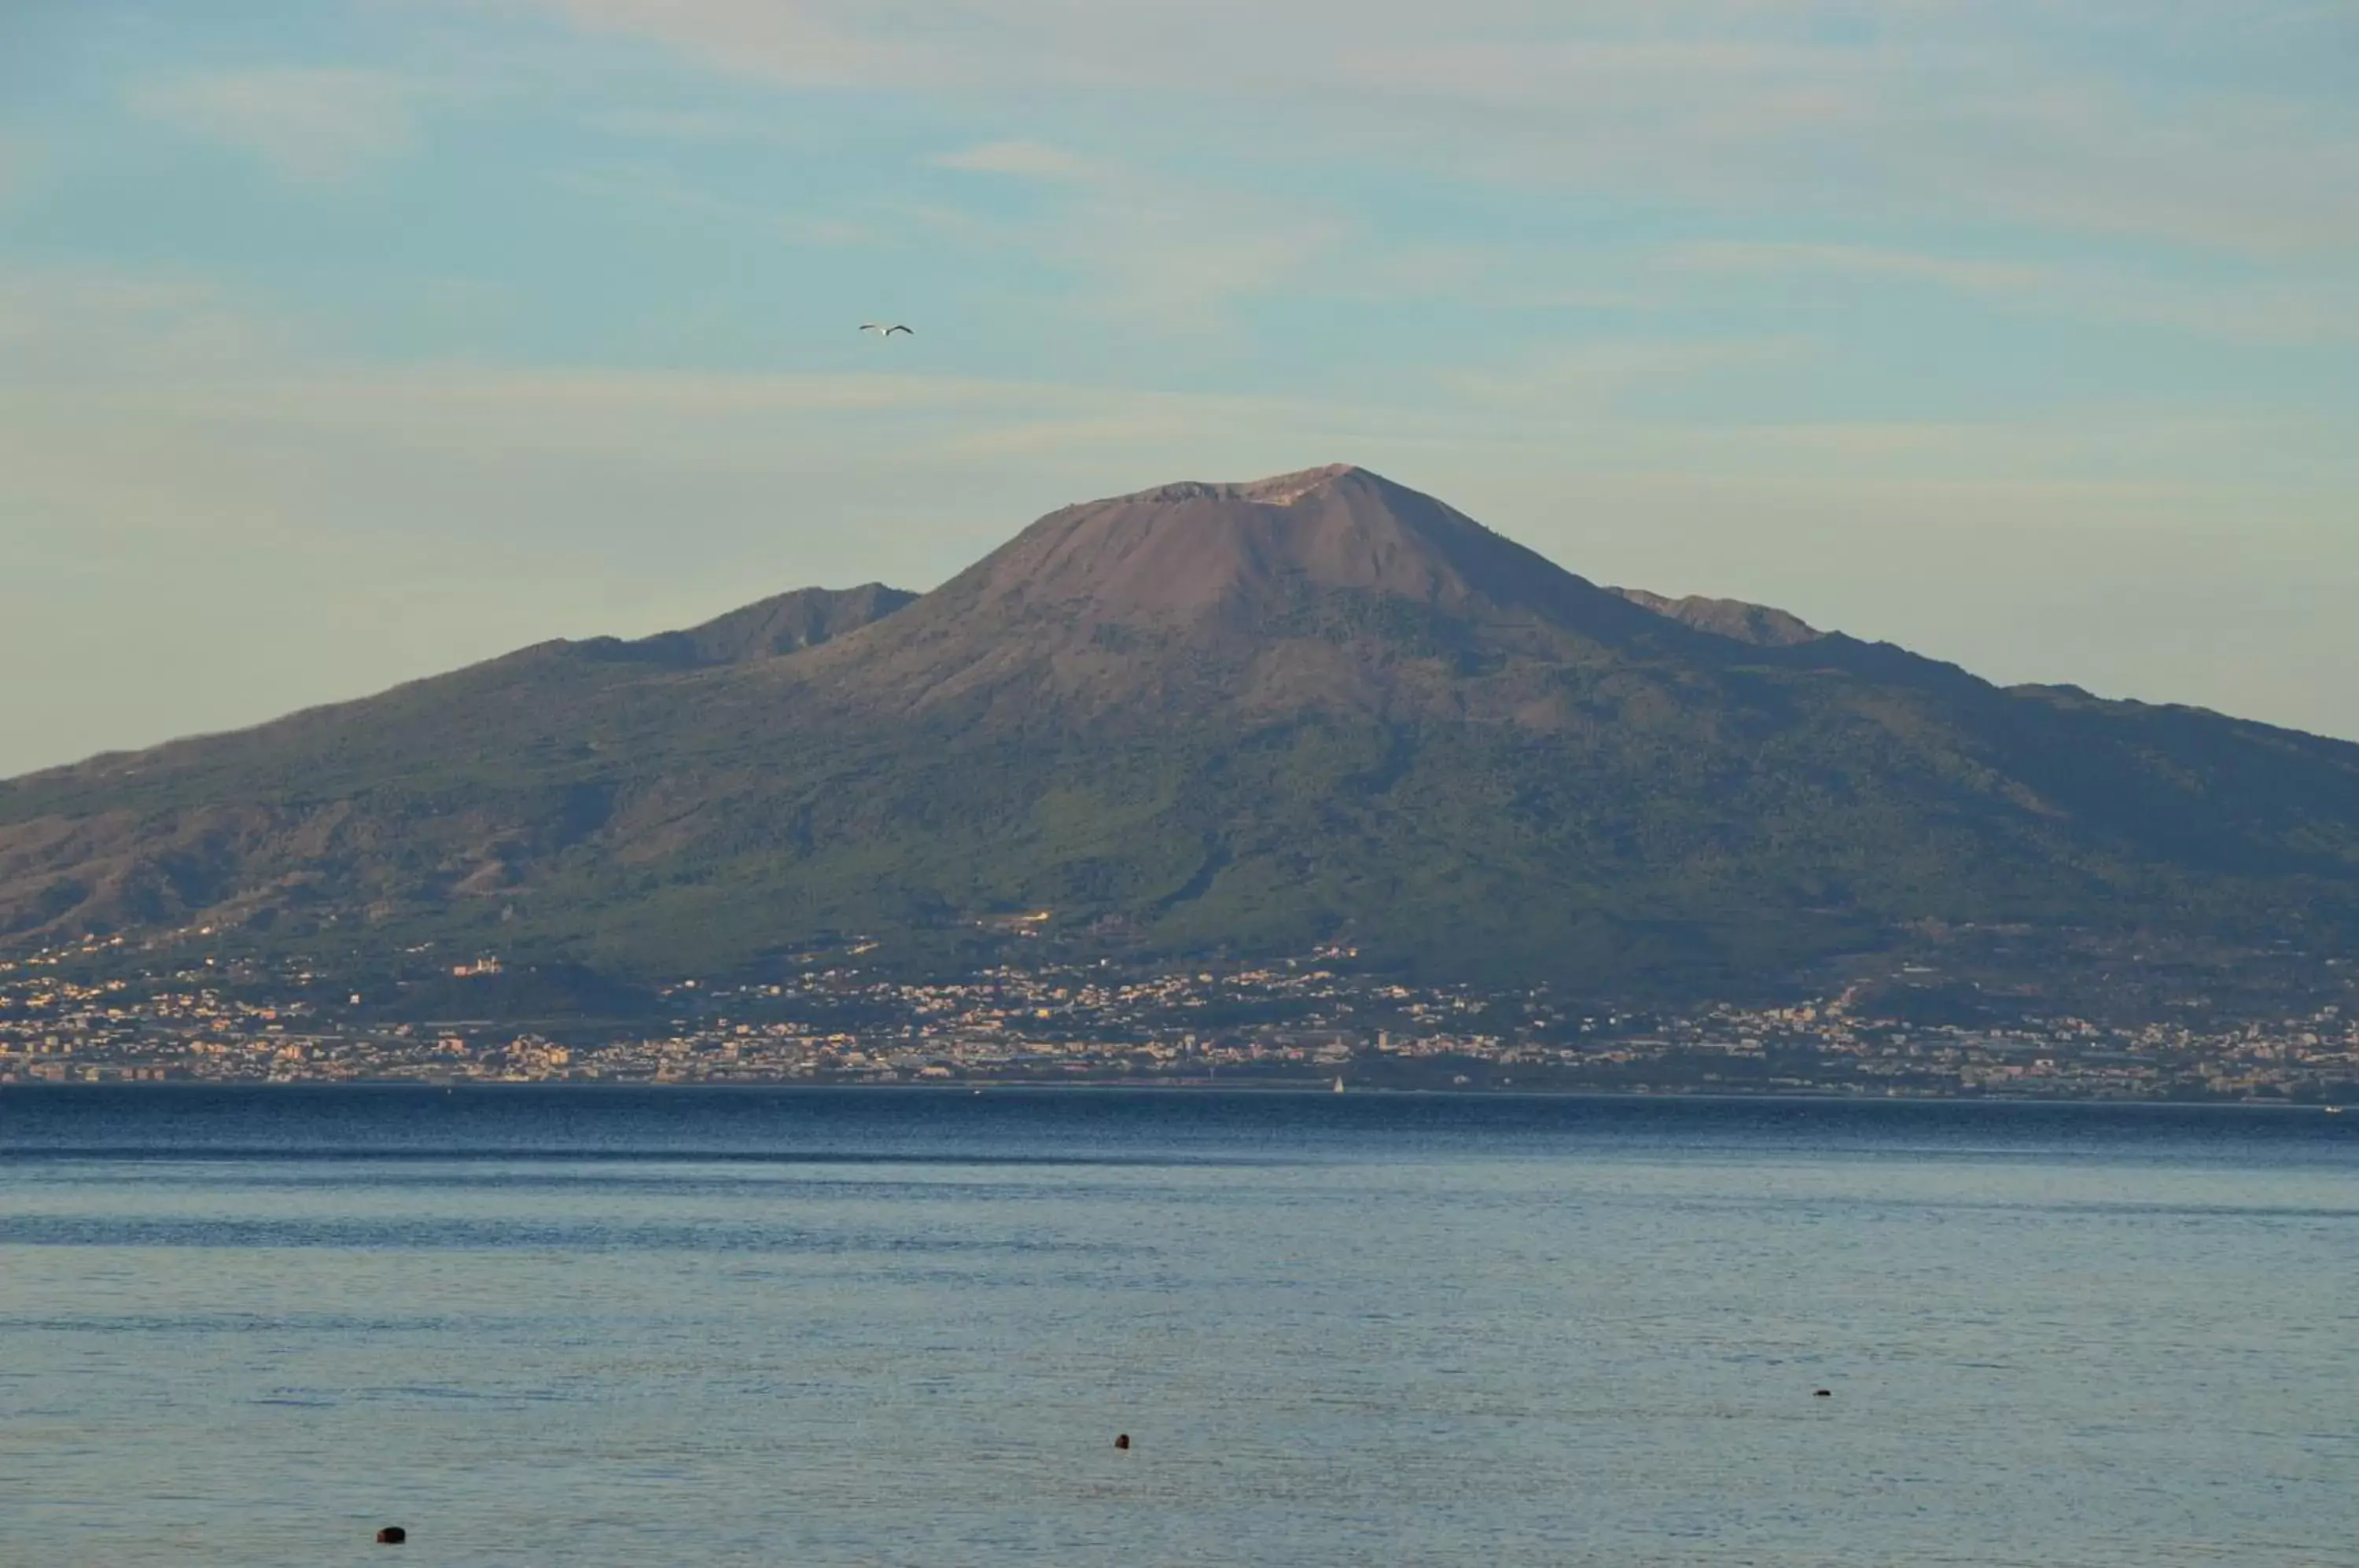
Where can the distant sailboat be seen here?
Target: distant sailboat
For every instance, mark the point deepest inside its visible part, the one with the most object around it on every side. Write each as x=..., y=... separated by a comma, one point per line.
x=1339, y=1082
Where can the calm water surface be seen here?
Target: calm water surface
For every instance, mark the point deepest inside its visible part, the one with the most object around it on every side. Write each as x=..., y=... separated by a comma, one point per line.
x=681, y=1327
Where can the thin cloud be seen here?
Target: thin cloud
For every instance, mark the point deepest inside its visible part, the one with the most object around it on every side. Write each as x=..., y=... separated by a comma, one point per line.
x=2245, y=306
x=1771, y=257
x=20, y=167
x=792, y=42
x=2018, y=111
x=313, y=125
x=1153, y=256
x=1596, y=378
x=66, y=327
x=685, y=125
x=1027, y=160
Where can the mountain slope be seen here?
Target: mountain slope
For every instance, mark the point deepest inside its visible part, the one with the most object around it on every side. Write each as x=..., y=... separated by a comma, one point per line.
x=1247, y=716
x=1331, y=591
x=1756, y=623
x=782, y=623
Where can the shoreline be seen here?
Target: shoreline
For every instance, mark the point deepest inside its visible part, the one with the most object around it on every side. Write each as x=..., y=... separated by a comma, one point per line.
x=1290, y=1089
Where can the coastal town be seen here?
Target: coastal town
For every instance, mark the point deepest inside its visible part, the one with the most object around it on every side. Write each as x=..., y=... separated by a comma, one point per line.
x=94, y=1015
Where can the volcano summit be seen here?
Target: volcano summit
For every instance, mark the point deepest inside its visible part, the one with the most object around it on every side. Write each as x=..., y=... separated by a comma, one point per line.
x=1245, y=717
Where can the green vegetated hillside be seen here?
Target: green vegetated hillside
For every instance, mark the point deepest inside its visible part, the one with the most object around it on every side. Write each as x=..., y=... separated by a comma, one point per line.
x=1247, y=718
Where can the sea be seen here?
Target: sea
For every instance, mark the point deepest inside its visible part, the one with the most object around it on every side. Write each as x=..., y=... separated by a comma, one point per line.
x=668, y=1328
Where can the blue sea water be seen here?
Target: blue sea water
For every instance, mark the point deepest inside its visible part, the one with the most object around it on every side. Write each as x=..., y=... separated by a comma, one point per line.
x=622, y=1329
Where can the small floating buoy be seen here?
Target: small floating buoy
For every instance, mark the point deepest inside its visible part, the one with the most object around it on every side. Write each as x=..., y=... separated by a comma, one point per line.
x=1123, y=1442
x=392, y=1535
x=1822, y=1393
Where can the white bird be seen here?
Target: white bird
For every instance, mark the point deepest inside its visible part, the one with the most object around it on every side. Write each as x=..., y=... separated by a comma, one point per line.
x=884, y=332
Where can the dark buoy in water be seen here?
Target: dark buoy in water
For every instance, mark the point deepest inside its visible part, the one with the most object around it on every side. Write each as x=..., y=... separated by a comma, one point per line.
x=392, y=1535
x=1822, y=1394
x=1121, y=1441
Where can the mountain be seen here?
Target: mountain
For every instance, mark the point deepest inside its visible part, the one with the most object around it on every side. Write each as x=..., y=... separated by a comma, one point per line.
x=1244, y=717
x=784, y=623
x=1331, y=591
x=1756, y=623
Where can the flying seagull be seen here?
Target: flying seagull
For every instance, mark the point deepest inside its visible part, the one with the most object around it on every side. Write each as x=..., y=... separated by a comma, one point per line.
x=883, y=331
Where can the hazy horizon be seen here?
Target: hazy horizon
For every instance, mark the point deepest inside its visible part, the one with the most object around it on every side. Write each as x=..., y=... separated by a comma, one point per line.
x=342, y=345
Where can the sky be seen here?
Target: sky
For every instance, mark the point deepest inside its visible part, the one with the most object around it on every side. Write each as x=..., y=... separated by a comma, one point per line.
x=345, y=342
